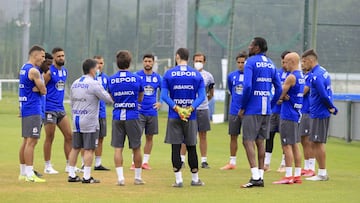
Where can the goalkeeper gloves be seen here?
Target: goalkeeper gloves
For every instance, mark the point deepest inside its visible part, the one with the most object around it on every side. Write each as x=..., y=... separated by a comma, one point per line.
x=184, y=113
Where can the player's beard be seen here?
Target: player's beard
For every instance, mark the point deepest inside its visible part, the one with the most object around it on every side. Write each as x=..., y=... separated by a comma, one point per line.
x=60, y=63
x=147, y=68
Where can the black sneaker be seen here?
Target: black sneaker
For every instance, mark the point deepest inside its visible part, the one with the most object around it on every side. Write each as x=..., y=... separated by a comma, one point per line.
x=74, y=180
x=101, y=168
x=254, y=183
x=39, y=175
x=90, y=180
x=205, y=165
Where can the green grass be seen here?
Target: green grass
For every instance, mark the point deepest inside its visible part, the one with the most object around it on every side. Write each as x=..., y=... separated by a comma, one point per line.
x=221, y=186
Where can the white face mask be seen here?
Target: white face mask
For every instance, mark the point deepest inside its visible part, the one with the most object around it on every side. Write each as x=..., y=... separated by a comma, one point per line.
x=198, y=65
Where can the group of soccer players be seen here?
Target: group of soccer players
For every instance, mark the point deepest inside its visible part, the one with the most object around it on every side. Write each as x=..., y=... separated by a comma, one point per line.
x=264, y=100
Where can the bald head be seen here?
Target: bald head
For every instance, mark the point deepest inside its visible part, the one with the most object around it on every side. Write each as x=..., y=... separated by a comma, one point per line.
x=292, y=60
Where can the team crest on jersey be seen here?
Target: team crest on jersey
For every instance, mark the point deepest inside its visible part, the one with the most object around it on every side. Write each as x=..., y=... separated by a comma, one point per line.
x=60, y=85
x=155, y=79
x=49, y=116
x=64, y=73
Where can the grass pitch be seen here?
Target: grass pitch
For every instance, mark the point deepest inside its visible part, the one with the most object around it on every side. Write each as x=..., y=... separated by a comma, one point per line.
x=221, y=186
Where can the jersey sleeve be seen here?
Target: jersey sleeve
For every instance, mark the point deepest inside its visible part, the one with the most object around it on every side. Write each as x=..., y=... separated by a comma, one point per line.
x=101, y=93
x=247, y=85
x=229, y=83
x=278, y=89
x=319, y=85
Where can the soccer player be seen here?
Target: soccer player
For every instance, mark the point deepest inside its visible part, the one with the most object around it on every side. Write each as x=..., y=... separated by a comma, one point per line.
x=55, y=80
x=85, y=94
x=149, y=107
x=235, y=84
x=275, y=122
x=183, y=90
x=321, y=107
x=259, y=76
x=291, y=102
x=127, y=91
x=202, y=112
x=103, y=79
x=31, y=89
x=304, y=129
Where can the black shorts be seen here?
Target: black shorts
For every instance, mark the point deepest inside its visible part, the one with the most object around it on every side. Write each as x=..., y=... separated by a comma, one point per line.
x=234, y=125
x=289, y=132
x=103, y=127
x=54, y=117
x=256, y=127
x=319, y=128
x=150, y=124
x=203, y=120
x=123, y=128
x=31, y=126
x=87, y=141
x=178, y=132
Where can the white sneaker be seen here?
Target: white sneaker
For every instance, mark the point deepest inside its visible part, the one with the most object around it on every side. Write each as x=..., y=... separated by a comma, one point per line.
x=318, y=178
x=50, y=170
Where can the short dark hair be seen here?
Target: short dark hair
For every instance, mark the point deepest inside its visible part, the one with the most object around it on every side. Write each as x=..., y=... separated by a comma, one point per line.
x=284, y=53
x=149, y=56
x=261, y=42
x=199, y=54
x=310, y=52
x=36, y=48
x=48, y=56
x=57, y=49
x=98, y=57
x=242, y=54
x=88, y=64
x=123, y=59
x=183, y=53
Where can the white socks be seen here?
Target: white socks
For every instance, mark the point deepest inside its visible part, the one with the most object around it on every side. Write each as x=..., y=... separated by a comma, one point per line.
x=306, y=164
x=233, y=160
x=312, y=162
x=146, y=158
x=178, y=177
x=297, y=172
x=138, y=173
x=48, y=164
x=288, y=171
x=182, y=158
x=22, y=170
x=261, y=173
x=203, y=159
x=29, y=170
x=255, y=173
x=267, y=158
x=87, y=171
x=97, y=161
x=322, y=172
x=72, y=171
x=195, y=177
x=120, y=173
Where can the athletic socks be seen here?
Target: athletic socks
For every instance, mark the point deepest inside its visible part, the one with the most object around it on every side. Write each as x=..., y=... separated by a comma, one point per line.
x=97, y=161
x=146, y=158
x=233, y=160
x=120, y=173
x=72, y=171
x=138, y=173
x=255, y=173
x=29, y=170
x=22, y=170
x=297, y=171
x=178, y=177
x=203, y=159
x=306, y=164
x=267, y=158
x=288, y=171
x=282, y=160
x=182, y=158
x=47, y=164
x=195, y=177
x=322, y=172
x=87, y=171
x=261, y=173
x=312, y=164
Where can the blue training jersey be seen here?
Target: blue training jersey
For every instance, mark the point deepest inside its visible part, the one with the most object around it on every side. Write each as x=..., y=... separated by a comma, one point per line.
x=30, y=102
x=282, y=74
x=320, y=93
x=235, y=84
x=56, y=89
x=103, y=78
x=182, y=86
x=125, y=87
x=151, y=84
x=306, y=99
x=290, y=109
x=259, y=76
